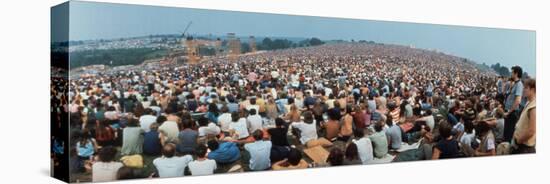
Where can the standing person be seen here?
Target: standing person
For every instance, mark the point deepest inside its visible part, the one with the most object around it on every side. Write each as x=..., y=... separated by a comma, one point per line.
x=170, y=165
x=259, y=151
x=202, y=165
x=105, y=168
x=512, y=103
x=525, y=132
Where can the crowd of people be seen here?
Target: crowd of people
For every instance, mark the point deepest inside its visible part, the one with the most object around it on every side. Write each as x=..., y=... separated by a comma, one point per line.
x=359, y=102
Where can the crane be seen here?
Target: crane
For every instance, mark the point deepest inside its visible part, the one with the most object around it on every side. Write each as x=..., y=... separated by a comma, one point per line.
x=186, y=28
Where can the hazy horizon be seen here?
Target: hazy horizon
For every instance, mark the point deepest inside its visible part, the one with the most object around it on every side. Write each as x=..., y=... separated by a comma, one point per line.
x=93, y=21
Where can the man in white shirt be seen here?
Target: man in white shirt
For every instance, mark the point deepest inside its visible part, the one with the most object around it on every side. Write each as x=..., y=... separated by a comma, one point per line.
x=254, y=121
x=147, y=119
x=203, y=165
x=364, y=146
x=207, y=127
x=170, y=165
x=225, y=119
x=170, y=130
x=308, y=128
x=238, y=126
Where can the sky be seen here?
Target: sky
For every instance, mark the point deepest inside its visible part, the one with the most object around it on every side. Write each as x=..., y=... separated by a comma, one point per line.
x=89, y=20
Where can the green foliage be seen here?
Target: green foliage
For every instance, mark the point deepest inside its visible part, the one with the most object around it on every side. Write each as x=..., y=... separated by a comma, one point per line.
x=501, y=70
x=118, y=56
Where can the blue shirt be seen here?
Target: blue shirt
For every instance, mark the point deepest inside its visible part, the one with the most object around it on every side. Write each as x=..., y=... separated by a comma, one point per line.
x=394, y=133
x=227, y=152
x=151, y=143
x=517, y=90
x=260, y=152
x=233, y=107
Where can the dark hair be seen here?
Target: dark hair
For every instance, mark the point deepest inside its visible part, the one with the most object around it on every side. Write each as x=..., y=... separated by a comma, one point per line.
x=336, y=157
x=213, y=108
x=213, y=144
x=333, y=114
x=279, y=122
x=201, y=150
x=132, y=122
x=294, y=156
x=518, y=71
x=225, y=109
x=258, y=135
x=252, y=111
x=445, y=130
x=203, y=121
x=378, y=126
x=428, y=112
x=358, y=133
x=351, y=151
x=235, y=116
x=186, y=123
x=107, y=154
x=482, y=127
x=348, y=109
x=169, y=150
x=308, y=117
x=468, y=126
x=161, y=119
x=125, y=173
x=148, y=111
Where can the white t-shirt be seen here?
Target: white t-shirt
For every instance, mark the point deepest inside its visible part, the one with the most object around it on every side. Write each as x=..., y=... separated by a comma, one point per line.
x=308, y=131
x=170, y=130
x=224, y=120
x=145, y=122
x=468, y=138
x=257, y=107
x=254, y=122
x=102, y=172
x=240, y=128
x=205, y=167
x=172, y=167
x=211, y=129
x=364, y=147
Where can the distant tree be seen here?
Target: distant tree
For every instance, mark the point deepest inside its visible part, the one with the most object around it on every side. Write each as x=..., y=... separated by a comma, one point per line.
x=315, y=41
x=266, y=43
x=245, y=47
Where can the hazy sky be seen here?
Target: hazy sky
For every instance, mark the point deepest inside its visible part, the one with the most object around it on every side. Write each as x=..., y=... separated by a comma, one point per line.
x=90, y=20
